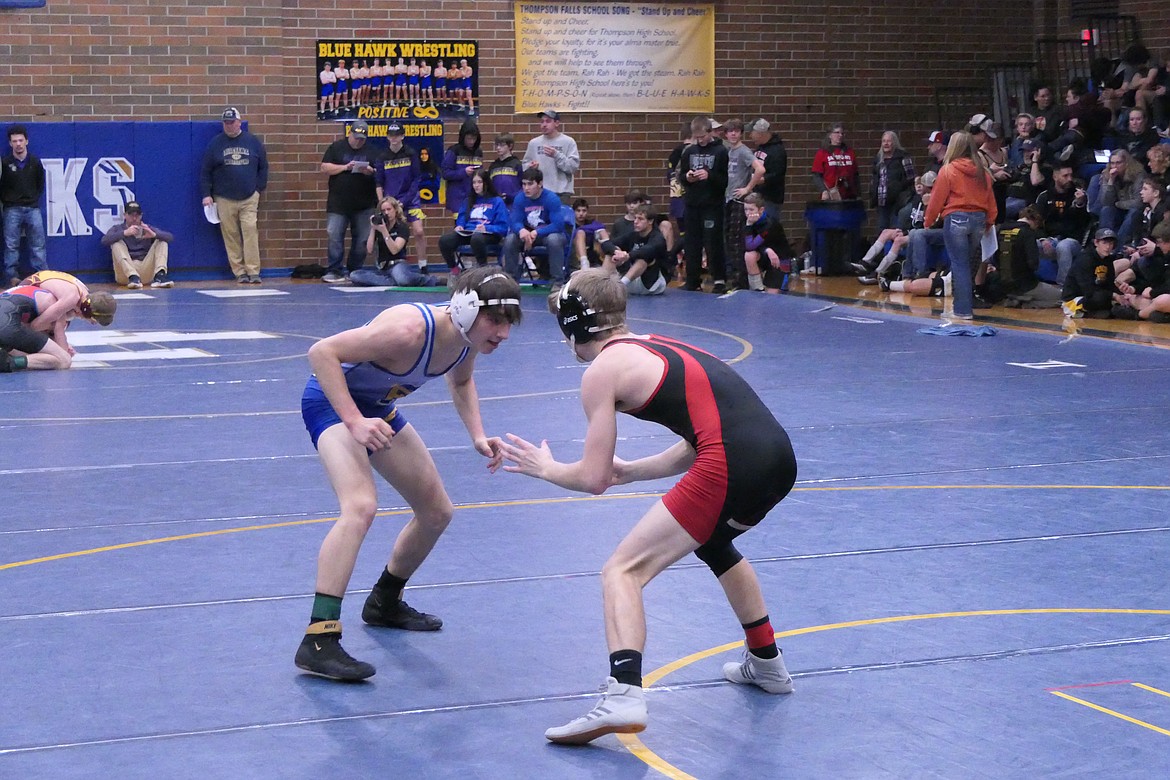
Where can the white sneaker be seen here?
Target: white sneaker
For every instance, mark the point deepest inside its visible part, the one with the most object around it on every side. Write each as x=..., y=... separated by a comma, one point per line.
x=767, y=673
x=622, y=710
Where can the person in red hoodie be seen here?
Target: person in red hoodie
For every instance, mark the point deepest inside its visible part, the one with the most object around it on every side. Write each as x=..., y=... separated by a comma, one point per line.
x=963, y=198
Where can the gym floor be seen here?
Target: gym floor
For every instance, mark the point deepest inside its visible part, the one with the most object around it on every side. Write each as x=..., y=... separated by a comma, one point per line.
x=969, y=580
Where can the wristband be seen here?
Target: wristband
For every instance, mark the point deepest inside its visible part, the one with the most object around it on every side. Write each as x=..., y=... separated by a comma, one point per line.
x=624, y=280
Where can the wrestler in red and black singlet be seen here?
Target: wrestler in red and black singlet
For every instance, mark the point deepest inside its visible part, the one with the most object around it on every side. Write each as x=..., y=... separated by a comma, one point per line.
x=744, y=464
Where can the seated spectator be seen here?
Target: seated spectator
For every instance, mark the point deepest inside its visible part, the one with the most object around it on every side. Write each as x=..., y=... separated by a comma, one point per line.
x=1025, y=125
x=504, y=172
x=995, y=158
x=1090, y=289
x=1063, y=207
x=1019, y=253
x=1048, y=115
x=625, y=223
x=892, y=183
x=639, y=257
x=139, y=250
x=1159, y=100
x=768, y=257
x=936, y=285
x=1114, y=194
x=1138, y=137
x=536, y=220
x=482, y=224
x=1083, y=129
x=35, y=313
x=1154, y=207
x=585, y=239
x=909, y=219
x=1147, y=296
x=389, y=235
x=1158, y=164
x=1029, y=179
x=834, y=168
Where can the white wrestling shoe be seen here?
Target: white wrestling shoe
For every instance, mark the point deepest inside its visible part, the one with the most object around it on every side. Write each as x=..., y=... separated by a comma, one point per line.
x=622, y=710
x=767, y=673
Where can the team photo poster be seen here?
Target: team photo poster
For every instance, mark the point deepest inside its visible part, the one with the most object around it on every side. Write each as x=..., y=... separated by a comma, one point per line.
x=397, y=79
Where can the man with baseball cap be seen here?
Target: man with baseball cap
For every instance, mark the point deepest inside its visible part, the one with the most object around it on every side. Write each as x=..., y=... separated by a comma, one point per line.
x=139, y=250
x=555, y=154
x=349, y=163
x=398, y=175
x=1091, y=289
x=936, y=147
x=234, y=173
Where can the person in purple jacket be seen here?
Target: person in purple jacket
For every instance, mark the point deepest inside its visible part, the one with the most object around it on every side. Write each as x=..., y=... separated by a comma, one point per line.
x=397, y=175
x=461, y=160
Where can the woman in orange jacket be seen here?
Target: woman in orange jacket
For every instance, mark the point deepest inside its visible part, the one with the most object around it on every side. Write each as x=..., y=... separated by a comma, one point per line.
x=963, y=198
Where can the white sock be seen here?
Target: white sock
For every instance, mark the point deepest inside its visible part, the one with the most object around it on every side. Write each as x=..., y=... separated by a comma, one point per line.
x=886, y=262
x=873, y=251
x=897, y=286
x=755, y=281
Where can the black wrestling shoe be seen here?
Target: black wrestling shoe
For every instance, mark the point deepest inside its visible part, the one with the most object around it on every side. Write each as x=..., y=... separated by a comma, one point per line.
x=381, y=611
x=6, y=365
x=321, y=653
x=1122, y=312
x=1159, y=316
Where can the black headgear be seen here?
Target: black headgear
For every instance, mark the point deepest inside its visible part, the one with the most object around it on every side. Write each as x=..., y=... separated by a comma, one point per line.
x=578, y=320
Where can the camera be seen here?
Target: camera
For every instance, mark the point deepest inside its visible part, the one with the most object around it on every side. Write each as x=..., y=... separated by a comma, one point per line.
x=377, y=219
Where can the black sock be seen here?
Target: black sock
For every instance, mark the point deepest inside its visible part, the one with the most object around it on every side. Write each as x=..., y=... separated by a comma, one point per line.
x=390, y=584
x=625, y=666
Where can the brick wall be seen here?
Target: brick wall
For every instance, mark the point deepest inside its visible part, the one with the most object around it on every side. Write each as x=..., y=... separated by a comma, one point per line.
x=801, y=65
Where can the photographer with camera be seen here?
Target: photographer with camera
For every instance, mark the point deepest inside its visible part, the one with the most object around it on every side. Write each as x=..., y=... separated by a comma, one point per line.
x=348, y=162
x=387, y=242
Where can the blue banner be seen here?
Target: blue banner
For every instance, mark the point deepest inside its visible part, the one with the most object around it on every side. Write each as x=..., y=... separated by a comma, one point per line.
x=93, y=169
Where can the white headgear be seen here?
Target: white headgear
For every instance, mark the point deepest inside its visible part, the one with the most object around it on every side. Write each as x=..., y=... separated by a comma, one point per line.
x=465, y=305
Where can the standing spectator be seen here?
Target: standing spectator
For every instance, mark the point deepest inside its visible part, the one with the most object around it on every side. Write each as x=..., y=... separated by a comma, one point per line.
x=22, y=185
x=893, y=180
x=704, y=167
x=234, y=173
x=743, y=170
x=1063, y=207
x=483, y=223
x=349, y=164
x=398, y=175
x=963, y=197
x=504, y=172
x=771, y=152
x=461, y=160
x=936, y=148
x=139, y=250
x=536, y=220
x=835, y=167
x=555, y=154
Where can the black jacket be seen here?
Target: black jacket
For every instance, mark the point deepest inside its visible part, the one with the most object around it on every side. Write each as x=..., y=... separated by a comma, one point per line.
x=775, y=159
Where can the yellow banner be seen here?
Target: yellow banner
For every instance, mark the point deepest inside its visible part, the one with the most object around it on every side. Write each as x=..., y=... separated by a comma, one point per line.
x=619, y=57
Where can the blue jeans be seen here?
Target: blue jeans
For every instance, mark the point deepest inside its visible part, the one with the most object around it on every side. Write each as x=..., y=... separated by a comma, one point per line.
x=400, y=274
x=28, y=217
x=917, y=262
x=359, y=230
x=554, y=242
x=963, y=236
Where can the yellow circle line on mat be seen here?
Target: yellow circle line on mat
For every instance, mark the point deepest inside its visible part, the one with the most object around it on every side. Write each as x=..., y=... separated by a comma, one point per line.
x=639, y=749
x=537, y=501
